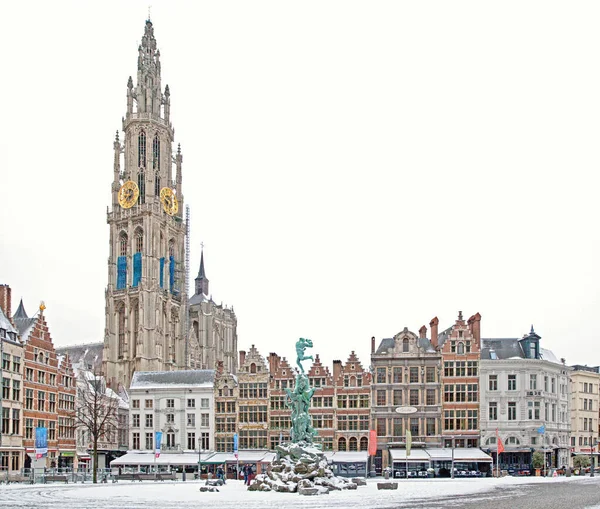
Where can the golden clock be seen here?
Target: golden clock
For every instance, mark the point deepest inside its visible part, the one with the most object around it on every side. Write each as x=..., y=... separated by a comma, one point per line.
x=128, y=194
x=169, y=201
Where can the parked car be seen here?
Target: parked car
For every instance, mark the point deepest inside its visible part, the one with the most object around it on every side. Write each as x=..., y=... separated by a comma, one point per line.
x=400, y=474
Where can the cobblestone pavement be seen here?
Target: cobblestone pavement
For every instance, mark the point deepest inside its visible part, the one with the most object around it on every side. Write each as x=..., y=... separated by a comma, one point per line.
x=577, y=494
x=584, y=493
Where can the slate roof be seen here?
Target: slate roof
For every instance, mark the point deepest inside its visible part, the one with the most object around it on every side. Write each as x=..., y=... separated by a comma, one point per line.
x=5, y=323
x=387, y=344
x=166, y=379
x=510, y=348
x=22, y=322
x=503, y=348
x=197, y=298
x=87, y=356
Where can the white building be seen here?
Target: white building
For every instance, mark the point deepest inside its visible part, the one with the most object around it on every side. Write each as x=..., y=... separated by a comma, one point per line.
x=524, y=392
x=180, y=404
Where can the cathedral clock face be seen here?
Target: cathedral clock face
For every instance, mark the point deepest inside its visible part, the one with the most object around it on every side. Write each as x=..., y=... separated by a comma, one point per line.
x=169, y=201
x=128, y=194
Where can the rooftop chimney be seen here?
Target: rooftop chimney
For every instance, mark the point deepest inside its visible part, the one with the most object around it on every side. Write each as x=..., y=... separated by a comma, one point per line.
x=434, y=332
x=242, y=357
x=337, y=370
x=5, y=300
x=423, y=332
x=372, y=344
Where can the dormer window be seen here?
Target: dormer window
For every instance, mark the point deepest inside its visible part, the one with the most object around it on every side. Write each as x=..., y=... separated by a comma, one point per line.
x=41, y=358
x=2, y=333
x=461, y=348
x=405, y=345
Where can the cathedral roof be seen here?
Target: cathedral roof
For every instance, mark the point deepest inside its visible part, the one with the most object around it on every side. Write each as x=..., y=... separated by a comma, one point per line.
x=86, y=356
x=171, y=379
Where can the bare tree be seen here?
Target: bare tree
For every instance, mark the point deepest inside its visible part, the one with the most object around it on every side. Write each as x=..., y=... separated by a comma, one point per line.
x=96, y=414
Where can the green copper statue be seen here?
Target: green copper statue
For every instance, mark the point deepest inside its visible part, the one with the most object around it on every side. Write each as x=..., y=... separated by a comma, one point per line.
x=299, y=398
x=301, y=345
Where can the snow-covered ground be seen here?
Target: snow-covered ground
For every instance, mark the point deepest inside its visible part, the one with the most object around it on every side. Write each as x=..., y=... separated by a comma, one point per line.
x=180, y=495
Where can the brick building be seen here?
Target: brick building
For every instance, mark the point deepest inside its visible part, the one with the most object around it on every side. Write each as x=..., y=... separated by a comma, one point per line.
x=353, y=410
x=48, y=393
x=322, y=404
x=282, y=377
x=460, y=346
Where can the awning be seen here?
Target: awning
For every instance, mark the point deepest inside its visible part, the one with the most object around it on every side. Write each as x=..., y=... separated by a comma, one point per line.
x=133, y=459
x=349, y=457
x=438, y=454
x=471, y=454
x=416, y=455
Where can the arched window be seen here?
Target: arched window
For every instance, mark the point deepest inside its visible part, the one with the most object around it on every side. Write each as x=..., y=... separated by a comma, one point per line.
x=342, y=444
x=41, y=358
x=252, y=368
x=364, y=444
x=156, y=153
x=353, y=444
x=226, y=391
x=460, y=349
x=139, y=240
x=121, y=322
x=352, y=381
x=405, y=345
x=122, y=244
x=490, y=441
x=142, y=150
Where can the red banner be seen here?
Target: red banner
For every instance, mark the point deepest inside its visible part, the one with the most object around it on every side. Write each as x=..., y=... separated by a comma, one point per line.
x=372, y=442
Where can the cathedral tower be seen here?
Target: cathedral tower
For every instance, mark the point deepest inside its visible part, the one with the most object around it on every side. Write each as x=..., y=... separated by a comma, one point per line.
x=144, y=306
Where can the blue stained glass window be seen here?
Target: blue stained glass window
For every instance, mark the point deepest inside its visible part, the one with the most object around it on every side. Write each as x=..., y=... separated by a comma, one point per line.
x=137, y=268
x=121, y=272
x=172, y=273
x=162, y=271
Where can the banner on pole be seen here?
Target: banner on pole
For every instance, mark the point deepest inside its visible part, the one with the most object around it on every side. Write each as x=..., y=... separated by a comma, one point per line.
x=158, y=441
x=235, y=445
x=372, y=442
x=408, y=442
x=41, y=442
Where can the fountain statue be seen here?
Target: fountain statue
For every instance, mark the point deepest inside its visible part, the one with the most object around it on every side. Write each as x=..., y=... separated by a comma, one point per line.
x=301, y=466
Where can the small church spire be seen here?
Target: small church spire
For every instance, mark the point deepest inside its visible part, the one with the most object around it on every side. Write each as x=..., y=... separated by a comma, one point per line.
x=201, y=280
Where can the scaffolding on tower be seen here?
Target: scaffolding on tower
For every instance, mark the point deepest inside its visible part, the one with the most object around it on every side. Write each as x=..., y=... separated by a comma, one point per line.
x=186, y=286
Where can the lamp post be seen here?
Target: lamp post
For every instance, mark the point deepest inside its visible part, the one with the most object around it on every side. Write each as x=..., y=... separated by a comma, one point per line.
x=199, y=458
x=591, y=456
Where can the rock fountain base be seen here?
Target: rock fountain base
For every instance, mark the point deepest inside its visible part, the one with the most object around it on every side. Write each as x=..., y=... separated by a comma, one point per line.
x=302, y=468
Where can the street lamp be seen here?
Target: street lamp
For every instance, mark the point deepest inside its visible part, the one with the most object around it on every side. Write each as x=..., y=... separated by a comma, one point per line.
x=591, y=456
x=199, y=458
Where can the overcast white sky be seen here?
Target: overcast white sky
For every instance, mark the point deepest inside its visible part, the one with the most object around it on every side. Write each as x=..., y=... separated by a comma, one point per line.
x=352, y=167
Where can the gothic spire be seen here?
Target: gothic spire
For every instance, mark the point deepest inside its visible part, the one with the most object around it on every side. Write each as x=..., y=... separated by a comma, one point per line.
x=147, y=92
x=201, y=280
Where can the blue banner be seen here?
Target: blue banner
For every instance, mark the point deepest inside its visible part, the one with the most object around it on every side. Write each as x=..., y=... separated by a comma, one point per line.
x=161, y=273
x=158, y=441
x=171, y=274
x=235, y=443
x=41, y=442
x=121, y=272
x=542, y=429
x=137, y=268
